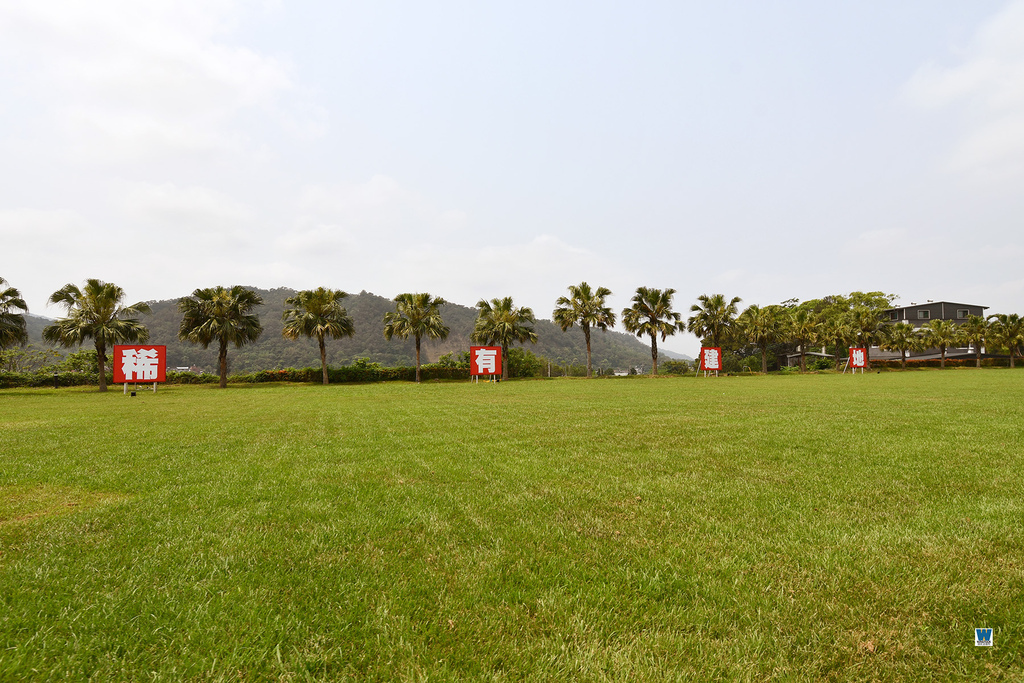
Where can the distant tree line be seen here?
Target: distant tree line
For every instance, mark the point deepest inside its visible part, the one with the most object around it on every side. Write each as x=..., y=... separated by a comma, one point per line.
x=225, y=316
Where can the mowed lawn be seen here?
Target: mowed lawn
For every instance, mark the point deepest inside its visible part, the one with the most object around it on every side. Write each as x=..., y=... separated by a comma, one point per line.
x=798, y=527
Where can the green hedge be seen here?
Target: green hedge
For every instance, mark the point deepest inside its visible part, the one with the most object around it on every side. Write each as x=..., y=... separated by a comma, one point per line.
x=9, y=380
x=351, y=373
x=950, y=363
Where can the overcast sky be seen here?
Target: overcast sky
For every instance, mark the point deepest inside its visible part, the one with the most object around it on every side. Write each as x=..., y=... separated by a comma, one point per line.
x=482, y=149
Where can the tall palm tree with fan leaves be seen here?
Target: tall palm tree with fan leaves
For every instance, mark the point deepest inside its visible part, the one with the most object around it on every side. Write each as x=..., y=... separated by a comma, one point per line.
x=222, y=315
x=12, y=323
x=499, y=322
x=651, y=314
x=714, y=318
x=416, y=315
x=1006, y=331
x=763, y=326
x=96, y=312
x=317, y=313
x=902, y=337
x=804, y=329
x=941, y=335
x=975, y=332
x=585, y=306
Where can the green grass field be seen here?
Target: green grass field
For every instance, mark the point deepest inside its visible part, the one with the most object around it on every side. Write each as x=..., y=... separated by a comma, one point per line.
x=795, y=527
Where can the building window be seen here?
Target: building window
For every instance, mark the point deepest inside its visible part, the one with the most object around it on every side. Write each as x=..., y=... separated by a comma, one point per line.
x=963, y=313
x=924, y=315
x=894, y=315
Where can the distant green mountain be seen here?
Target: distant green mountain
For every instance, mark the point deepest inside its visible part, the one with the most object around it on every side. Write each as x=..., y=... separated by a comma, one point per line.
x=610, y=349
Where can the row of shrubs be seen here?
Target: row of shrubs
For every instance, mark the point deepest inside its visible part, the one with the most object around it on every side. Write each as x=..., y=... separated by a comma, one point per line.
x=358, y=372
x=950, y=363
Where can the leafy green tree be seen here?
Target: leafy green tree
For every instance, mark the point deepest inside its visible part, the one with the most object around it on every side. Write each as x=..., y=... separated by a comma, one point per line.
x=762, y=327
x=96, y=312
x=676, y=367
x=804, y=330
x=317, y=313
x=12, y=323
x=902, y=337
x=1006, y=331
x=714, y=318
x=867, y=323
x=500, y=323
x=417, y=315
x=584, y=307
x=975, y=333
x=222, y=315
x=524, y=363
x=940, y=334
x=651, y=314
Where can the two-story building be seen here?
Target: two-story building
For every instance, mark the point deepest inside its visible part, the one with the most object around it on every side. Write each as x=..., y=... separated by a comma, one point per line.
x=920, y=315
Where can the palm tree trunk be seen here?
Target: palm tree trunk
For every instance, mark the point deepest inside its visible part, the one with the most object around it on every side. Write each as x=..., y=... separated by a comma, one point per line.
x=586, y=335
x=504, y=363
x=942, y=363
x=803, y=362
x=323, y=356
x=977, y=356
x=867, y=355
x=764, y=360
x=903, y=359
x=417, y=359
x=101, y=361
x=654, y=352
x=222, y=359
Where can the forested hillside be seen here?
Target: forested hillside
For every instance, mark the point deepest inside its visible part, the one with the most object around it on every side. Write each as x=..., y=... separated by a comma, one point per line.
x=610, y=349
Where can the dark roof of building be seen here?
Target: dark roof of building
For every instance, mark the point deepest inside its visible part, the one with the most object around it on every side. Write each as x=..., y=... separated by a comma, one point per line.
x=933, y=303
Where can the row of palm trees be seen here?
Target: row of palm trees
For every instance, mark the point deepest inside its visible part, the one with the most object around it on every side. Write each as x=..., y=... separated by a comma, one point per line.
x=226, y=316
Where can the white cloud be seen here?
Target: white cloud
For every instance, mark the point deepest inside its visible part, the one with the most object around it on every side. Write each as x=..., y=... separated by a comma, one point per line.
x=989, y=84
x=126, y=79
x=344, y=215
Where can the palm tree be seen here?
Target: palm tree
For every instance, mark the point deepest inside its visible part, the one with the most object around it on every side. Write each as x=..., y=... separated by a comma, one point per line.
x=12, y=324
x=1006, y=331
x=940, y=334
x=418, y=315
x=317, y=313
x=804, y=329
x=502, y=324
x=95, y=312
x=651, y=314
x=714, y=320
x=584, y=307
x=866, y=324
x=902, y=337
x=224, y=315
x=762, y=327
x=837, y=331
x=975, y=333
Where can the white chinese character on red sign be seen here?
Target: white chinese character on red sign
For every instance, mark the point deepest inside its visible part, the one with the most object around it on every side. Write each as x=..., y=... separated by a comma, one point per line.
x=857, y=358
x=140, y=364
x=711, y=358
x=486, y=360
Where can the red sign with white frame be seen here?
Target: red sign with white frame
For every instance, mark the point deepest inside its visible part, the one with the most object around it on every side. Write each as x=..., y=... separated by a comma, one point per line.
x=484, y=360
x=140, y=363
x=858, y=358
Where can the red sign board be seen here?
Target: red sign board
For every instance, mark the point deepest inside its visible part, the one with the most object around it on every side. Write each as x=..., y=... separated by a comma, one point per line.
x=710, y=358
x=142, y=363
x=858, y=358
x=484, y=360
